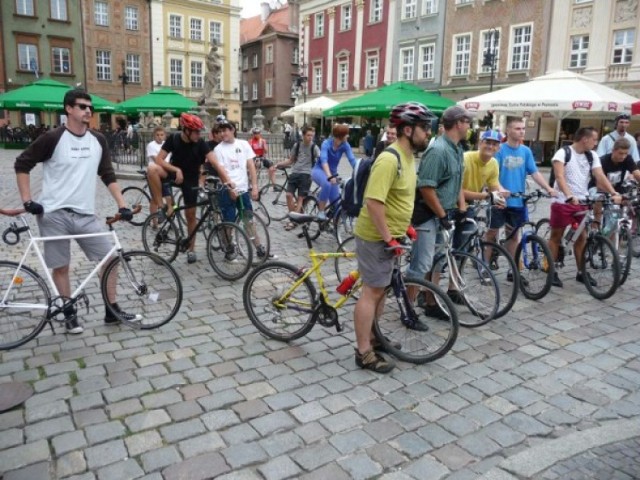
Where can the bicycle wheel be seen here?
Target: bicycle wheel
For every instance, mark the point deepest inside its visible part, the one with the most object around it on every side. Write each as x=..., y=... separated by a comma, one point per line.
x=200, y=211
x=146, y=288
x=503, y=267
x=536, y=266
x=229, y=251
x=543, y=230
x=136, y=197
x=274, y=197
x=476, y=287
x=277, y=316
x=162, y=239
x=343, y=225
x=601, y=262
x=625, y=254
x=261, y=211
x=310, y=207
x=403, y=323
x=258, y=234
x=23, y=314
x=345, y=265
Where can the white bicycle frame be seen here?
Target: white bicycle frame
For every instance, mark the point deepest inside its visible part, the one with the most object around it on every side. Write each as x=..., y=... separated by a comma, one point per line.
x=33, y=245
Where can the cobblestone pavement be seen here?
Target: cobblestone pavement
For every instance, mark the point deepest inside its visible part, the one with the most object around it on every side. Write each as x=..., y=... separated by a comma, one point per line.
x=207, y=396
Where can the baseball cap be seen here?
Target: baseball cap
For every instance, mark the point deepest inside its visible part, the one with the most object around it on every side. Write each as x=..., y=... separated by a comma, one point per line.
x=494, y=135
x=455, y=113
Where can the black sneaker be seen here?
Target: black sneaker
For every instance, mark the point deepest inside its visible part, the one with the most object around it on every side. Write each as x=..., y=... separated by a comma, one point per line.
x=71, y=324
x=556, y=282
x=580, y=277
x=379, y=346
x=231, y=256
x=262, y=253
x=523, y=280
x=111, y=319
x=191, y=257
x=436, y=312
x=374, y=361
x=456, y=297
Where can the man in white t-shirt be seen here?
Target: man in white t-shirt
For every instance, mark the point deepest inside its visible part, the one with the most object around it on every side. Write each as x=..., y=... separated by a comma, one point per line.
x=572, y=185
x=236, y=156
x=621, y=125
x=153, y=148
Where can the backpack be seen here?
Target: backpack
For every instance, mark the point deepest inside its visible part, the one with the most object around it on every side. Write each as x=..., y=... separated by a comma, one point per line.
x=296, y=151
x=353, y=193
x=567, y=159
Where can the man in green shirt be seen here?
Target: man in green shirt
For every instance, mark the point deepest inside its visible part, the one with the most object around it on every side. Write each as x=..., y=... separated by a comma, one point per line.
x=385, y=216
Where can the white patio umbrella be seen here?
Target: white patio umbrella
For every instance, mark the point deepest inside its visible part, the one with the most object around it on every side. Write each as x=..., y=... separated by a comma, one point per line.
x=562, y=94
x=312, y=108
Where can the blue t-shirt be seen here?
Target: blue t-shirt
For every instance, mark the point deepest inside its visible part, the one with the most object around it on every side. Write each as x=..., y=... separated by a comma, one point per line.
x=515, y=165
x=332, y=157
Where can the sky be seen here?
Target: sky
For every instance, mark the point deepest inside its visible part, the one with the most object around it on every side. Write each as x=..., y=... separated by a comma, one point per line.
x=251, y=8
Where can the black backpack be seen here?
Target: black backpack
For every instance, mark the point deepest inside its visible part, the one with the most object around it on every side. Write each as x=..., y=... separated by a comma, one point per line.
x=567, y=159
x=353, y=193
x=296, y=151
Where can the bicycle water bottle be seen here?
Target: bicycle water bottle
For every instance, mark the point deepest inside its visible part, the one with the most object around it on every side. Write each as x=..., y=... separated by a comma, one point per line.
x=348, y=282
x=569, y=235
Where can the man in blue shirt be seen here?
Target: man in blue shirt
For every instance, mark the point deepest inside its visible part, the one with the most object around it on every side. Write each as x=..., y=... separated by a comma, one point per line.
x=516, y=162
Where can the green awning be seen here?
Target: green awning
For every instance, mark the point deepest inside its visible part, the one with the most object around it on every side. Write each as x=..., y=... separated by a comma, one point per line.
x=157, y=102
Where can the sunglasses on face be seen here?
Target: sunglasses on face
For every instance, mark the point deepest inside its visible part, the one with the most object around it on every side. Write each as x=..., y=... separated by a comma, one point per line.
x=83, y=106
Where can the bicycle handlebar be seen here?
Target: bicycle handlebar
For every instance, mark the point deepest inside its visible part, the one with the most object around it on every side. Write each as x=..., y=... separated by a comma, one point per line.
x=529, y=196
x=117, y=216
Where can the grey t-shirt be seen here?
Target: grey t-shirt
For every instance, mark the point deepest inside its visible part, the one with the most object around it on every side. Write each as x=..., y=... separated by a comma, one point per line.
x=303, y=162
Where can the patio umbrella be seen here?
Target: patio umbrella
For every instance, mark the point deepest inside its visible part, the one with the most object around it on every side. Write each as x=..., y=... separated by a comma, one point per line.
x=563, y=94
x=45, y=94
x=158, y=101
x=378, y=104
x=313, y=108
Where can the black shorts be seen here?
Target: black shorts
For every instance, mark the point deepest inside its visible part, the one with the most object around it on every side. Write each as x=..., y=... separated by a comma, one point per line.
x=300, y=182
x=189, y=188
x=266, y=163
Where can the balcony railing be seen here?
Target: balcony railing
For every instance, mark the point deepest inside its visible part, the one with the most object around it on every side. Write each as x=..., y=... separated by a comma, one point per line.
x=617, y=73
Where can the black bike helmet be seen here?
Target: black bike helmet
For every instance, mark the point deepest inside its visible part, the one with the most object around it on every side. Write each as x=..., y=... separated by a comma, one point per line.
x=410, y=113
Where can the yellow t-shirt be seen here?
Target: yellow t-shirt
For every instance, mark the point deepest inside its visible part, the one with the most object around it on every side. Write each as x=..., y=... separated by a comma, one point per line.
x=477, y=174
x=396, y=192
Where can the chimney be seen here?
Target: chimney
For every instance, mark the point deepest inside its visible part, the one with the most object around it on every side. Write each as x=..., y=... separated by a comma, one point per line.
x=265, y=10
x=294, y=15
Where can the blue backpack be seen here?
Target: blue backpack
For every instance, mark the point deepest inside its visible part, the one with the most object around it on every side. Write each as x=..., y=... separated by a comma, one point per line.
x=353, y=193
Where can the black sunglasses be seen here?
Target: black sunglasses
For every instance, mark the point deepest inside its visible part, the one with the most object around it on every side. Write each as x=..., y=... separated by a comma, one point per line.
x=83, y=106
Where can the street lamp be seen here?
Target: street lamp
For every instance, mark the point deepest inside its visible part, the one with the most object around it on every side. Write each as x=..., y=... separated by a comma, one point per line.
x=491, y=54
x=125, y=79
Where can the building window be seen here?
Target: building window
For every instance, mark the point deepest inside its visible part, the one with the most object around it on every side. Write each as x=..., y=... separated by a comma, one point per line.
x=268, y=54
x=485, y=46
x=28, y=57
x=579, y=51
x=463, y=2
x=61, y=60
x=406, y=64
x=373, y=64
x=59, y=10
x=429, y=7
x=521, y=47
x=254, y=60
x=175, y=26
x=623, y=41
x=343, y=75
x=133, y=67
x=317, y=79
x=196, y=75
x=195, y=30
x=427, y=62
x=175, y=73
x=268, y=88
x=103, y=65
x=25, y=7
x=461, y=54
x=245, y=92
x=101, y=14
x=345, y=17
x=375, y=11
x=245, y=62
x=409, y=9
x=131, y=18
x=295, y=55
x=318, y=29
x=254, y=92
x=215, y=32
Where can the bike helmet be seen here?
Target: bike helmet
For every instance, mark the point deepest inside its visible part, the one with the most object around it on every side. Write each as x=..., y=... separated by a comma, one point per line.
x=256, y=130
x=221, y=119
x=410, y=113
x=191, y=122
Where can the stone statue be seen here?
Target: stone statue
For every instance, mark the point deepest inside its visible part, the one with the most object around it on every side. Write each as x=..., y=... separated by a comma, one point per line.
x=258, y=119
x=141, y=119
x=149, y=120
x=214, y=68
x=276, y=125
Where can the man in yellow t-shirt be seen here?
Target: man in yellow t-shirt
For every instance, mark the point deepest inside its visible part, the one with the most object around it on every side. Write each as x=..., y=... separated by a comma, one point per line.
x=481, y=171
x=385, y=216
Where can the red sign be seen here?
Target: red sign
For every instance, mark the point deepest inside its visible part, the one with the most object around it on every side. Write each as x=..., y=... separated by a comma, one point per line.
x=472, y=105
x=526, y=114
x=586, y=104
x=612, y=107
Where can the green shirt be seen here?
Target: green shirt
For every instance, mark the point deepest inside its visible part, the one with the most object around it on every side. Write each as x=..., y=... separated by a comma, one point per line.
x=396, y=192
x=441, y=167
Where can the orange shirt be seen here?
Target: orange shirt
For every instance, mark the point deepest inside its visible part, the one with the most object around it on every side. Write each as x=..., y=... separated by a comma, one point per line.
x=259, y=146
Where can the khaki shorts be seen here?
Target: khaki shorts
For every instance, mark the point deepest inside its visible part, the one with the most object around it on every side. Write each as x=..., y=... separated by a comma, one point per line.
x=57, y=253
x=375, y=264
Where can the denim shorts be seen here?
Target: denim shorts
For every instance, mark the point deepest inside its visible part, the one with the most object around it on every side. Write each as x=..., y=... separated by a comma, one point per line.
x=512, y=216
x=424, y=249
x=230, y=207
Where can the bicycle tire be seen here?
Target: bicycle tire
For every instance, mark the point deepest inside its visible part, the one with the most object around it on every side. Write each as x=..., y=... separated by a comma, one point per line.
x=181, y=215
x=274, y=197
x=543, y=229
x=164, y=240
x=625, y=254
x=594, y=263
x=310, y=207
x=261, y=211
x=21, y=325
x=134, y=197
x=395, y=326
x=479, y=288
x=264, y=286
x=504, y=263
x=262, y=233
x=536, y=278
x=146, y=285
x=229, y=251
x=343, y=225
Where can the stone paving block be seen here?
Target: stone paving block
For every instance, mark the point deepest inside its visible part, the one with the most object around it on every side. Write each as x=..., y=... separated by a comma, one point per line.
x=48, y=428
x=160, y=458
x=360, y=466
x=117, y=379
x=146, y=420
x=521, y=396
x=125, y=470
x=430, y=411
x=435, y=435
x=312, y=432
x=427, y=464
x=411, y=445
x=161, y=399
x=124, y=408
x=279, y=468
x=244, y=454
x=143, y=442
x=179, y=431
x=273, y=422
x=280, y=443
x=342, y=421
x=61, y=393
x=70, y=464
x=184, y=410
x=309, y=412
x=242, y=433
x=407, y=420
x=84, y=418
x=84, y=402
x=91, y=385
x=332, y=471
x=450, y=402
x=46, y=411
x=313, y=457
x=22, y=455
x=453, y=457
x=104, y=431
x=11, y=438
x=458, y=425
x=200, y=444
x=105, y=454
x=219, y=419
x=348, y=442
x=220, y=400
x=38, y=471
x=124, y=392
